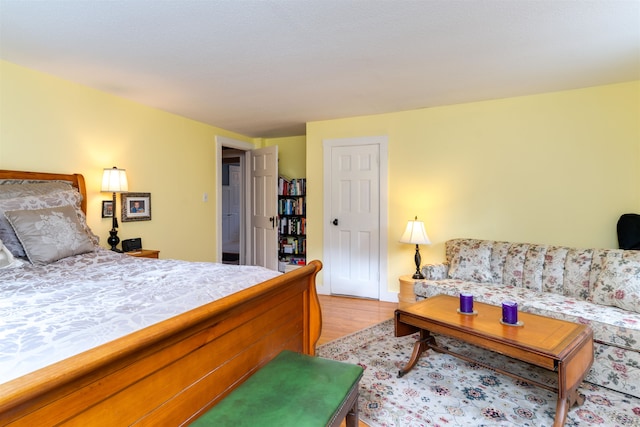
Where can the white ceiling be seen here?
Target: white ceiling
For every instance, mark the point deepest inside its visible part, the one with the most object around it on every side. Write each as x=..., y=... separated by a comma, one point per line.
x=265, y=68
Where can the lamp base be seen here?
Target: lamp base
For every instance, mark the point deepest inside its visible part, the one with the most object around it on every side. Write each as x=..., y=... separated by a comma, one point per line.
x=113, y=240
x=417, y=259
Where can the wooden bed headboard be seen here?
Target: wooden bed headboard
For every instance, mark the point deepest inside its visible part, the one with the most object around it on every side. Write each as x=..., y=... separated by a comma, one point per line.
x=76, y=180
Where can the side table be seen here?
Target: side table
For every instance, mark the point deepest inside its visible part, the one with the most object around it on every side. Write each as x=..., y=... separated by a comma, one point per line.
x=406, y=296
x=144, y=253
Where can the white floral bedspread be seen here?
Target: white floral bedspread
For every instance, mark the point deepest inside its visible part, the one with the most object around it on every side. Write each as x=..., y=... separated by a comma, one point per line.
x=48, y=313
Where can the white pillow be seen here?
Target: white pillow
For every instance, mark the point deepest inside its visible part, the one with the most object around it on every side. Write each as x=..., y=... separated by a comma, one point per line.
x=6, y=257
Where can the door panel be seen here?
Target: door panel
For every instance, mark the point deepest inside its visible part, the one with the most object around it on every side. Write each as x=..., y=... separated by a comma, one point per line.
x=234, y=204
x=355, y=221
x=226, y=217
x=264, y=187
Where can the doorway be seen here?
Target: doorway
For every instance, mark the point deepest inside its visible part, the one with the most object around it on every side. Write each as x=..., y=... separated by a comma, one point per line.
x=231, y=155
x=355, y=217
x=255, y=172
x=231, y=206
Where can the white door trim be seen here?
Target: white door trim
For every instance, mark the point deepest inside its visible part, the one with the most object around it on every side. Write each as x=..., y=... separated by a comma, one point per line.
x=223, y=141
x=327, y=144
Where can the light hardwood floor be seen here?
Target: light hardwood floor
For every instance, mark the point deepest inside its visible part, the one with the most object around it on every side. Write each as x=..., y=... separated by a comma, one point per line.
x=343, y=316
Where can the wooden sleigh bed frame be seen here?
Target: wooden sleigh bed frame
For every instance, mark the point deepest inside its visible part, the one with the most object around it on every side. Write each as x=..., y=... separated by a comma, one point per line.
x=170, y=372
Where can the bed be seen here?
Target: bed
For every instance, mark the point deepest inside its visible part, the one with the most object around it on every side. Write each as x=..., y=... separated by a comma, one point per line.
x=167, y=372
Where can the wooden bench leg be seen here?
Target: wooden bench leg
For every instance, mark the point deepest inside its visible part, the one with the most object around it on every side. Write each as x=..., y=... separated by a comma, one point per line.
x=352, y=418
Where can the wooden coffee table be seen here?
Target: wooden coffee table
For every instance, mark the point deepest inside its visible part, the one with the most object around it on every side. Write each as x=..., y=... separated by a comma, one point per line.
x=557, y=345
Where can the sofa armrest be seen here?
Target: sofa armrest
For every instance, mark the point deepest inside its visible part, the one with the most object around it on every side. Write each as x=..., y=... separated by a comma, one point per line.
x=435, y=271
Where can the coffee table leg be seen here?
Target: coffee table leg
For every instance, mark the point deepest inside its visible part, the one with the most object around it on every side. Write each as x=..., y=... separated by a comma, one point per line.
x=561, y=410
x=571, y=372
x=418, y=348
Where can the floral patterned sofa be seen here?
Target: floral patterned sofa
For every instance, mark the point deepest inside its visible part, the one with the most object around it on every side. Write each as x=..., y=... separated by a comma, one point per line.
x=597, y=287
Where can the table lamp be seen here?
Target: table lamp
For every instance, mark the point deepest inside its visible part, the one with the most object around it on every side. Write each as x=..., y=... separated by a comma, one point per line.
x=114, y=180
x=416, y=234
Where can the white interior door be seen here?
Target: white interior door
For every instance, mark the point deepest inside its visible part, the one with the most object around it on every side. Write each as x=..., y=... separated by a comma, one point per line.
x=354, y=220
x=264, y=212
x=235, y=182
x=226, y=218
x=231, y=211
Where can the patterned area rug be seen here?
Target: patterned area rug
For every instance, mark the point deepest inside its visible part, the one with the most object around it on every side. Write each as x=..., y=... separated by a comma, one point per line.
x=445, y=391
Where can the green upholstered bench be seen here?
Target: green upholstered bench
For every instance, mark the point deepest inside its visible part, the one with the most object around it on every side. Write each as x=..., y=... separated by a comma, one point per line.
x=291, y=390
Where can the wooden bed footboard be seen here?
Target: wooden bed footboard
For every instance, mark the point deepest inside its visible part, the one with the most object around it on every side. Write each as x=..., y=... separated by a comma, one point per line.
x=171, y=372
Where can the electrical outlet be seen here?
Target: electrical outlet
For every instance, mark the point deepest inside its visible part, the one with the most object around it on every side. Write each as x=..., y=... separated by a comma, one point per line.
x=205, y=197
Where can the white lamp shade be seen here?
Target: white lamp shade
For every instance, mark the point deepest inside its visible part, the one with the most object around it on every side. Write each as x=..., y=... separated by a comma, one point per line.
x=114, y=180
x=415, y=233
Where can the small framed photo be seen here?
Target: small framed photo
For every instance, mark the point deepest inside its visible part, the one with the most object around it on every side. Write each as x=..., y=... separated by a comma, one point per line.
x=136, y=206
x=107, y=209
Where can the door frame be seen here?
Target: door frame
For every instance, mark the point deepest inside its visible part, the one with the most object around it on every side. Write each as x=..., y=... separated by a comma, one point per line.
x=382, y=141
x=223, y=141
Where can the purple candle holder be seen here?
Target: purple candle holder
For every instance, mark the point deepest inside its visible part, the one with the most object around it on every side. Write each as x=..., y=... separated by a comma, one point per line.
x=510, y=312
x=466, y=303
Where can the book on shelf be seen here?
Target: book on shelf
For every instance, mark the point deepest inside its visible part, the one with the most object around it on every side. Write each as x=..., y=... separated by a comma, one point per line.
x=293, y=246
x=293, y=225
x=292, y=187
x=295, y=206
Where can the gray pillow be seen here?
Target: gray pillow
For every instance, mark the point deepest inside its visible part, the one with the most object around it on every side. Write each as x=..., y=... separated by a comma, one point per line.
x=52, y=200
x=9, y=191
x=50, y=234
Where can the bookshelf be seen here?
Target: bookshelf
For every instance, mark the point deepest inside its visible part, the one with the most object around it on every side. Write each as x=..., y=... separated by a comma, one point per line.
x=292, y=224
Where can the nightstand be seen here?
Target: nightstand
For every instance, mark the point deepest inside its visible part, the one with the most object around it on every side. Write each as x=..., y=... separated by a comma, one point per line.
x=144, y=253
x=407, y=296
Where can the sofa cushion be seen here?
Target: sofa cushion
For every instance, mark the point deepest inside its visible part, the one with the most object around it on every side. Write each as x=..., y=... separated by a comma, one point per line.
x=435, y=271
x=514, y=264
x=498, y=259
x=472, y=261
x=533, y=267
x=577, y=273
x=610, y=290
x=553, y=274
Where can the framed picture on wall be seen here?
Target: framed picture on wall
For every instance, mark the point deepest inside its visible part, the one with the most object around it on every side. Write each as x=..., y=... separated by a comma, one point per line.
x=136, y=206
x=107, y=209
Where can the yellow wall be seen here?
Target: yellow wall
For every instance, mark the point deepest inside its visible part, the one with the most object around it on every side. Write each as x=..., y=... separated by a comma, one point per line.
x=557, y=168
x=291, y=155
x=49, y=124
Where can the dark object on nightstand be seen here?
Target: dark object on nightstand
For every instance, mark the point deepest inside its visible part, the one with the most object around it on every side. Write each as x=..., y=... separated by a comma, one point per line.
x=129, y=245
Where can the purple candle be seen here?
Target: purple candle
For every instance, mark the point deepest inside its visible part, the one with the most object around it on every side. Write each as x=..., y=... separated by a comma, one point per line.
x=466, y=302
x=510, y=312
